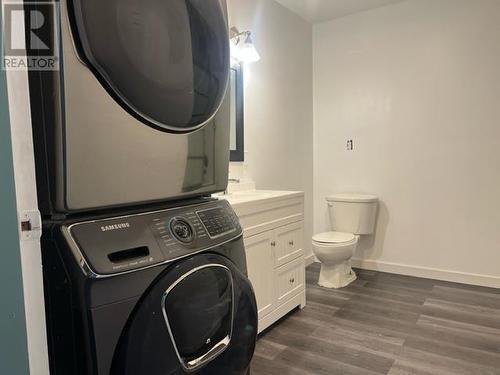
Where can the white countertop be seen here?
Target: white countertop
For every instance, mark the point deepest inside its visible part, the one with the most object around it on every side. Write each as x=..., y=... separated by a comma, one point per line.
x=241, y=197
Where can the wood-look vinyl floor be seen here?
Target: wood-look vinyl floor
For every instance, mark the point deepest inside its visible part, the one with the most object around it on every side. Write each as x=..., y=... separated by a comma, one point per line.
x=386, y=324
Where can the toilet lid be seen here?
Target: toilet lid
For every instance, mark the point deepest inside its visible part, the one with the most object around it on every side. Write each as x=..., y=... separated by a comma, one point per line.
x=333, y=237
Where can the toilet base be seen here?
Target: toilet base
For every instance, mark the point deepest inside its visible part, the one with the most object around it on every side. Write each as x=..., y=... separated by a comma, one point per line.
x=337, y=276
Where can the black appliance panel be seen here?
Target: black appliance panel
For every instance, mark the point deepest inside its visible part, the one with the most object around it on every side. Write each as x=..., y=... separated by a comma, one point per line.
x=120, y=325
x=217, y=222
x=128, y=243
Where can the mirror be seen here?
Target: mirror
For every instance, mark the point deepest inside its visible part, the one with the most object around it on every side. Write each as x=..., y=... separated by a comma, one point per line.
x=236, y=144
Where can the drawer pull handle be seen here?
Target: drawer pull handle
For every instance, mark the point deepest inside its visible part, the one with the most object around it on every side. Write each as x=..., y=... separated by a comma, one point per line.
x=273, y=243
x=292, y=280
x=290, y=243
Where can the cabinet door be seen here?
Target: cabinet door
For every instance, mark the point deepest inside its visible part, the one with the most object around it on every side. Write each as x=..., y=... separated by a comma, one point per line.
x=260, y=264
x=290, y=280
x=288, y=243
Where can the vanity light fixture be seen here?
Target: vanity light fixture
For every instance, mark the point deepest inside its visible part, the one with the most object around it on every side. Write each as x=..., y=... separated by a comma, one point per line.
x=242, y=48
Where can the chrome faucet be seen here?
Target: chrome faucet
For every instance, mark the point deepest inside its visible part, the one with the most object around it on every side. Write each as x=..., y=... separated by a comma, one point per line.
x=234, y=180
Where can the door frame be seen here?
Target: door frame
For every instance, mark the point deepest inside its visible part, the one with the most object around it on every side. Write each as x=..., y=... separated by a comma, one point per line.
x=28, y=218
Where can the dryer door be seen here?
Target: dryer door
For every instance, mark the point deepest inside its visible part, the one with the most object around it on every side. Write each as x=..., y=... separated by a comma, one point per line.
x=165, y=62
x=198, y=317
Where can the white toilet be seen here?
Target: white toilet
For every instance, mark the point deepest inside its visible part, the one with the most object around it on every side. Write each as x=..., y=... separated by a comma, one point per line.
x=351, y=215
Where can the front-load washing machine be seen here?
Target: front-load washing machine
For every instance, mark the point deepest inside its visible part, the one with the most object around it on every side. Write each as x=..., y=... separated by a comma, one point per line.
x=156, y=293
x=137, y=111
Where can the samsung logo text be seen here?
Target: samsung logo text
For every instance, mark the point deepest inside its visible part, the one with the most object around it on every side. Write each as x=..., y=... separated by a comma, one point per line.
x=107, y=228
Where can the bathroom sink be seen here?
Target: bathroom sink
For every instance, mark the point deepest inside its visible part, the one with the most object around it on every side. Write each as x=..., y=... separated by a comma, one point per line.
x=243, y=196
x=252, y=195
x=258, y=194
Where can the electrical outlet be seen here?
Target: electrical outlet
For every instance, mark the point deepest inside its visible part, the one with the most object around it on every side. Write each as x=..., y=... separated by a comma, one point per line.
x=350, y=145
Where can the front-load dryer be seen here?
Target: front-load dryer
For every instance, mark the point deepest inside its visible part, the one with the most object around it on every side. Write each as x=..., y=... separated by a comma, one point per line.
x=137, y=111
x=156, y=293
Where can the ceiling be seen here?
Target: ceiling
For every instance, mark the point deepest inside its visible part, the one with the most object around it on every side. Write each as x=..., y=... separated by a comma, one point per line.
x=324, y=10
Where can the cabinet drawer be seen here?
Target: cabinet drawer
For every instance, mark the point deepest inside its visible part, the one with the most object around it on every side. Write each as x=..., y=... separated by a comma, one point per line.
x=290, y=280
x=288, y=245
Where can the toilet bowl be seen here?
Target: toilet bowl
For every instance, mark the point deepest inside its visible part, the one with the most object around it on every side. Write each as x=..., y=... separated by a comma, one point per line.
x=334, y=250
x=351, y=215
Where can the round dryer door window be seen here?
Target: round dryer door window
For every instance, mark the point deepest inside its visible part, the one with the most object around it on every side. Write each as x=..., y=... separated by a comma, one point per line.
x=165, y=62
x=199, y=316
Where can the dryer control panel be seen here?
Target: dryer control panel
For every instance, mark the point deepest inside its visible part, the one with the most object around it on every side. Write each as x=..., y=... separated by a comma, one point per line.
x=122, y=244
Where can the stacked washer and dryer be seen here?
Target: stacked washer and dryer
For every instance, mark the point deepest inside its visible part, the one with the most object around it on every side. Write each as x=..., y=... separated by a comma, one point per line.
x=144, y=272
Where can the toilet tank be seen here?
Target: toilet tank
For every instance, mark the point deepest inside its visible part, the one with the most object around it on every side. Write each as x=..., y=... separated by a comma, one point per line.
x=353, y=213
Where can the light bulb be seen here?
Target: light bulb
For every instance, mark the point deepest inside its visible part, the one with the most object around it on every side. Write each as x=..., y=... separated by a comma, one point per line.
x=244, y=51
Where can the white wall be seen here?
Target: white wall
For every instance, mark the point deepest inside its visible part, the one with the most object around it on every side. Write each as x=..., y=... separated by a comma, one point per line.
x=416, y=85
x=278, y=99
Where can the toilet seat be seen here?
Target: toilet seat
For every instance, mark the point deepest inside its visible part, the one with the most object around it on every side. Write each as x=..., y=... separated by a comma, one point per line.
x=334, y=238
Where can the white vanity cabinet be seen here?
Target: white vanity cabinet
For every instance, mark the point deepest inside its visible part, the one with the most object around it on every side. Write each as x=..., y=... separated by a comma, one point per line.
x=273, y=236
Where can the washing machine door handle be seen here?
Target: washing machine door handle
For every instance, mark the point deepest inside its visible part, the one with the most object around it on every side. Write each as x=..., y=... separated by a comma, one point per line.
x=210, y=355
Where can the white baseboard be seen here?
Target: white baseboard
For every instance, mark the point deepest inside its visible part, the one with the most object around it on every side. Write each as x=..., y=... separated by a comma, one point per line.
x=310, y=259
x=428, y=272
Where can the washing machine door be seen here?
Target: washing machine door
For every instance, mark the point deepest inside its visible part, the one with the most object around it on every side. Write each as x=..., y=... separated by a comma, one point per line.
x=165, y=62
x=199, y=316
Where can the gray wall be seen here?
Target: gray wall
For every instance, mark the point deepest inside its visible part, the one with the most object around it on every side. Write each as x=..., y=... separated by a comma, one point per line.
x=13, y=344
